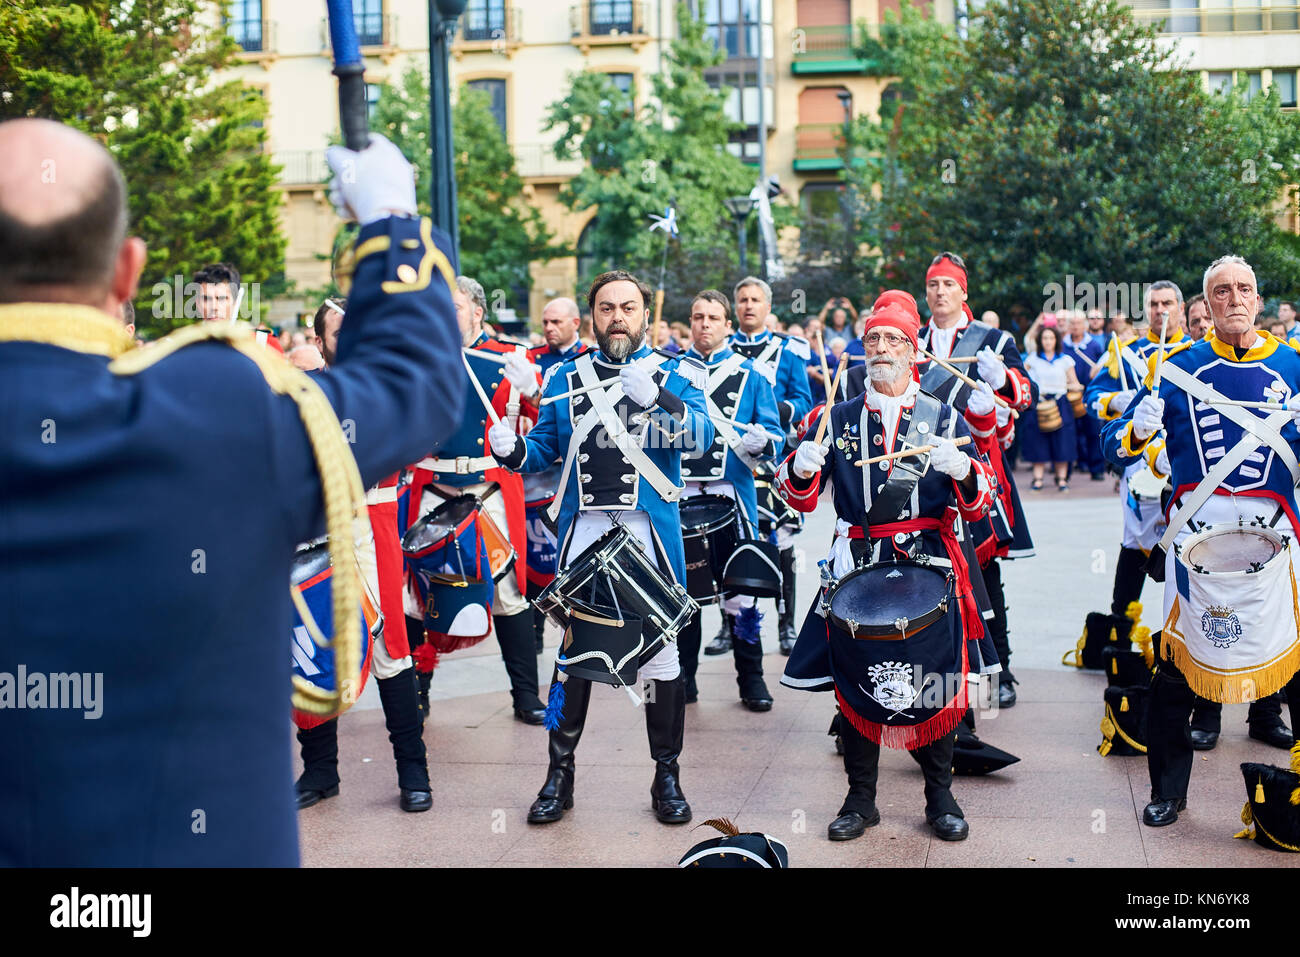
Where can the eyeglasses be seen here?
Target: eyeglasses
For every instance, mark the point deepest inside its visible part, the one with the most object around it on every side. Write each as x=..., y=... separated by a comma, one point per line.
x=873, y=339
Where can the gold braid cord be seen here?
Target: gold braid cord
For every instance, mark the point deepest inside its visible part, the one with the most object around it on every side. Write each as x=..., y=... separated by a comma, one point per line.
x=341, y=489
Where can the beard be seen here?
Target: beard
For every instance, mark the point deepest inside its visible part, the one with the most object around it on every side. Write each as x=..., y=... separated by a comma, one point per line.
x=620, y=349
x=887, y=370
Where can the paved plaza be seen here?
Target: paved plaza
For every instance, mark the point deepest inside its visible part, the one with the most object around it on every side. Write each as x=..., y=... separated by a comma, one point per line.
x=1062, y=806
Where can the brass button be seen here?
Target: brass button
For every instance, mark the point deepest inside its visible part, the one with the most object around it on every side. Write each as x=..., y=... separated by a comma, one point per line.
x=480, y=441
x=406, y=272
x=410, y=244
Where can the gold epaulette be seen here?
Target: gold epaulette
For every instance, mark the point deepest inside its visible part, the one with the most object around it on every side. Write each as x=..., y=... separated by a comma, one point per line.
x=409, y=278
x=341, y=487
x=68, y=326
x=1171, y=349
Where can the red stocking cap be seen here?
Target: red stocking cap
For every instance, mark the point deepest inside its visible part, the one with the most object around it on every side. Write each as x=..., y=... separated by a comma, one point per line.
x=900, y=299
x=896, y=318
x=946, y=267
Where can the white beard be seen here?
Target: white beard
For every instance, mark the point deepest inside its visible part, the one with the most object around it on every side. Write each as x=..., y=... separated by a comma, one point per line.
x=887, y=372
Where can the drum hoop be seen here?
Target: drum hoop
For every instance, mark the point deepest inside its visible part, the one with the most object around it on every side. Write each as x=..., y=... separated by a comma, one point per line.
x=708, y=528
x=1208, y=532
x=455, y=532
x=889, y=633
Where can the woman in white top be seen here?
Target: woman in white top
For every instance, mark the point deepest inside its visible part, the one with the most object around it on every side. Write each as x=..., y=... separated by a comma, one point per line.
x=1053, y=373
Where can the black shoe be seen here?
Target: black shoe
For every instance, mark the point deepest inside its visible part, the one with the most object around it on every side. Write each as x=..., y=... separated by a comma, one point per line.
x=718, y=646
x=949, y=827
x=787, y=646
x=416, y=801
x=757, y=704
x=546, y=810
x=530, y=715
x=310, y=796
x=1006, y=693
x=754, y=694
x=1162, y=813
x=851, y=824
x=1278, y=735
x=1204, y=740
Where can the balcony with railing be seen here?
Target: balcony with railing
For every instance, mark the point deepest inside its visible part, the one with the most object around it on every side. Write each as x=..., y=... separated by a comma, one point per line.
x=301, y=167
x=609, y=23
x=256, y=39
x=820, y=50
x=489, y=30
x=376, y=33
x=818, y=146
x=1211, y=21
x=536, y=161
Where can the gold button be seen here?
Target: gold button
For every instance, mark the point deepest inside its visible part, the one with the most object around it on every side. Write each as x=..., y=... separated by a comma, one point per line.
x=410, y=244
x=406, y=272
x=480, y=441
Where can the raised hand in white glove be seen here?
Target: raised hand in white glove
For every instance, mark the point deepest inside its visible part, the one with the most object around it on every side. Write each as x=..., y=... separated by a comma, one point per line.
x=1148, y=417
x=948, y=459
x=755, y=439
x=981, y=400
x=502, y=439
x=371, y=184
x=520, y=373
x=768, y=371
x=638, y=386
x=1119, y=402
x=809, y=459
x=991, y=368
x=1162, y=462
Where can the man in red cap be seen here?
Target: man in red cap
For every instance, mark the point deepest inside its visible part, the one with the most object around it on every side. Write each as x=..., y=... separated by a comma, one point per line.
x=893, y=510
x=953, y=333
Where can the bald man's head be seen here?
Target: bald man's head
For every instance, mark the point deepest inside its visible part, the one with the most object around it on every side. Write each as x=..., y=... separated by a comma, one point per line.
x=560, y=319
x=62, y=218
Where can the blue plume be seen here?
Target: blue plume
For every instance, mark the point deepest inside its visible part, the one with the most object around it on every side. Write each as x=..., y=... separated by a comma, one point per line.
x=749, y=623
x=554, y=707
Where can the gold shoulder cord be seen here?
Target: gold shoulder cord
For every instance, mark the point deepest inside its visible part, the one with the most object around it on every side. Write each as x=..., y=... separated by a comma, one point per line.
x=341, y=490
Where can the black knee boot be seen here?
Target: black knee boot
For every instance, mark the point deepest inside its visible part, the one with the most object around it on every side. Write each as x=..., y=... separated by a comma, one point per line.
x=998, y=631
x=1169, y=743
x=722, y=640
x=748, y=656
x=556, y=795
x=688, y=655
x=414, y=639
x=320, y=763
x=398, y=695
x=665, y=725
x=785, y=630
x=517, y=639
x=862, y=766
x=1130, y=576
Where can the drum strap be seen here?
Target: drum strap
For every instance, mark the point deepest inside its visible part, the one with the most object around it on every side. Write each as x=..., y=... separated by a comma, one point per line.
x=1258, y=432
x=602, y=413
x=718, y=376
x=889, y=504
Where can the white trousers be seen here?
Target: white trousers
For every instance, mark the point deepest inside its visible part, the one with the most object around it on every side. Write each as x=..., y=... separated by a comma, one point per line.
x=382, y=665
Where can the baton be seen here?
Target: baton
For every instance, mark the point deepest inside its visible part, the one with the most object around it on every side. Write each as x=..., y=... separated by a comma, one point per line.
x=351, y=72
x=1160, y=356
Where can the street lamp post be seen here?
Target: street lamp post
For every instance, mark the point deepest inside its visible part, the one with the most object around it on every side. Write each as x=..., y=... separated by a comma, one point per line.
x=740, y=207
x=442, y=26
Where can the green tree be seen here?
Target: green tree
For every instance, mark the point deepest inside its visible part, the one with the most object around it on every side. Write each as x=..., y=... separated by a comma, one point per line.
x=1061, y=140
x=637, y=160
x=137, y=74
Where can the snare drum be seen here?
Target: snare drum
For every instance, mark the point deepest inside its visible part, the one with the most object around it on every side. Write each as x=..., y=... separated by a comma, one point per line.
x=311, y=576
x=614, y=577
x=540, y=489
x=1049, y=415
x=774, y=512
x=709, y=537
x=898, y=651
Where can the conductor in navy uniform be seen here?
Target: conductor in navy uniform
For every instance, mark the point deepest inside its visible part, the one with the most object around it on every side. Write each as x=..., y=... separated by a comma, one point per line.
x=150, y=503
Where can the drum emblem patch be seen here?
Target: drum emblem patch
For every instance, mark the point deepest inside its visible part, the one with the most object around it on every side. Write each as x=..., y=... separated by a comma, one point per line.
x=891, y=685
x=1220, y=625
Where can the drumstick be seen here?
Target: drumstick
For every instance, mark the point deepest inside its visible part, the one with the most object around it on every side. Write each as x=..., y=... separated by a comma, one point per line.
x=826, y=409
x=1160, y=356
x=493, y=357
x=997, y=399
x=487, y=403
x=580, y=391
x=963, y=440
x=1245, y=404
x=961, y=360
x=821, y=350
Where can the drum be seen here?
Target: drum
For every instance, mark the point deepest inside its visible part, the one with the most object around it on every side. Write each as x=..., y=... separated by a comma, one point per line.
x=1077, y=405
x=709, y=537
x=1232, y=626
x=540, y=489
x=613, y=579
x=898, y=651
x=1049, y=415
x=310, y=577
x=773, y=511
x=1146, y=485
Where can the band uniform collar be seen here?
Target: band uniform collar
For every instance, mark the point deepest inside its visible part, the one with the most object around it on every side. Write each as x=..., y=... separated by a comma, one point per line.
x=714, y=358
x=1264, y=346
x=745, y=338
x=605, y=360
x=66, y=325
x=482, y=338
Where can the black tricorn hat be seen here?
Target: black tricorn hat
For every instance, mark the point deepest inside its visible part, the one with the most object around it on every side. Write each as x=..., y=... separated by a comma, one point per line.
x=971, y=756
x=1270, y=792
x=734, y=849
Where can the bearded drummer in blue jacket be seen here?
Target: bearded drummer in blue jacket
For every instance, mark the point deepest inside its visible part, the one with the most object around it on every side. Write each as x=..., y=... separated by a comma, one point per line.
x=900, y=509
x=622, y=446
x=747, y=432
x=1228, y=463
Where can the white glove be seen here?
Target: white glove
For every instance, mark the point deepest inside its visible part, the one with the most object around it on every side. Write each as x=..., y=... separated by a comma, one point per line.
x=502, y=439
x=991, y=368
x=768, y=371
x=1119, y=402
x=949, y=459
x=371, y=184
x=1162, y=462
x=809, y=459
x=520, y=373
x=638, y=386
x=981, y=400
x=755, y=439
x=1293, y=404
x=1004, y=415
x=1148, y=417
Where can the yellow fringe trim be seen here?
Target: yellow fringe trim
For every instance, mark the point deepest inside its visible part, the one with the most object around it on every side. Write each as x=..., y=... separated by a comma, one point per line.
x=68, y=326
x=341, y=488
x=1241, y=687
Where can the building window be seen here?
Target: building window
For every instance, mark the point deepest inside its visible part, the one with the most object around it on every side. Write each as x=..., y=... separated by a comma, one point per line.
x=822, y=228
x=733, y=25
x=741, y=106
x=369, y=17
x=1220, y=81
x=372, y=99
x=245, y=25
x=1284, y=80
x=1254, y=80
x=611, y=16
x=485, y=19
x=623, y=81
x=496, y=91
